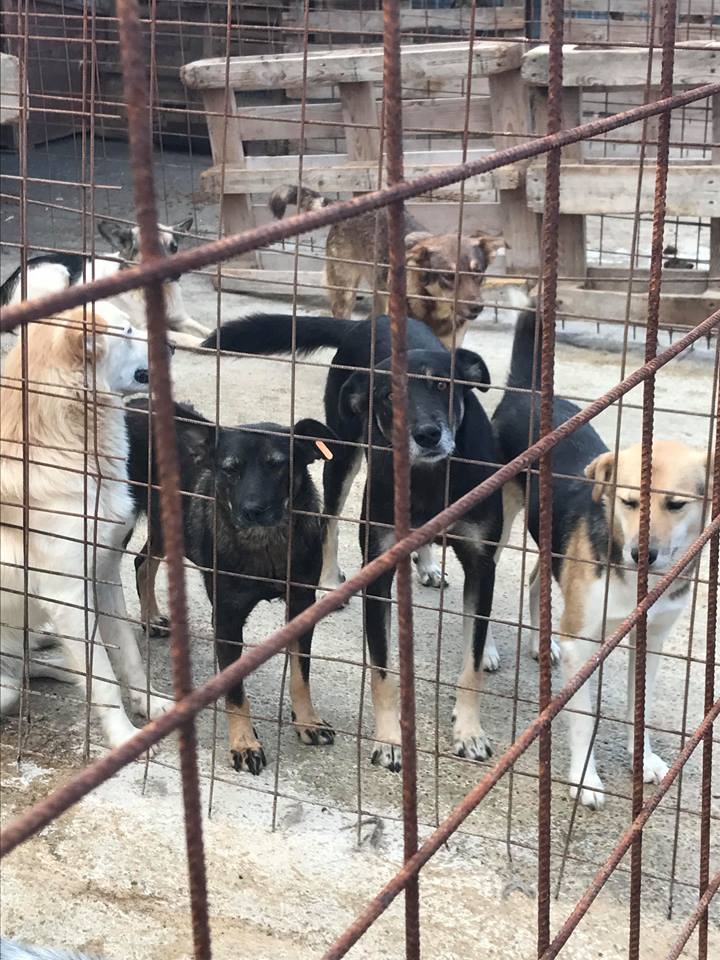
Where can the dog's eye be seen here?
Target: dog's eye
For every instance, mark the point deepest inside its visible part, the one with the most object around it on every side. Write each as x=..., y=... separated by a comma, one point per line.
x=173, y=246
x=441, y=385
x=447, y=279
x=676, y=504
x=630, y=504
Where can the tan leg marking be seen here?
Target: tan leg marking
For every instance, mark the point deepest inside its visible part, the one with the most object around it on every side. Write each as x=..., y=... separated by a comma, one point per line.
x=310, y=727
x=245, y=749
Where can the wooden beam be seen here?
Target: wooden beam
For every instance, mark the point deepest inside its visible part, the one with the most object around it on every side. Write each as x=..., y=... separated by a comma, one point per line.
x=419, y=21
x=437, y=115
x=346, y=178
x=419, y=62
x=695, y=63
x=358, y=107
x=676, y=310
x=715, y=221
x=510, y=111
x=9, y=88
x=598, y=188
x=225, y=131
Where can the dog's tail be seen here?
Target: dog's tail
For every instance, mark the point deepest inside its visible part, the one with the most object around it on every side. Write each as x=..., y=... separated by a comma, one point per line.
x=264, y=334
x=304, y=199
x=525, y=360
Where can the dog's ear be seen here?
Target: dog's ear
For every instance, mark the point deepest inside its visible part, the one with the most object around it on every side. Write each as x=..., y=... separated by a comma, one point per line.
x=183, y=226
x=471, y=366
x=354, y=397
x=197, y=438
x=602, y=471
x=119, y=236
x=415, y=237
x=308, y=450
x=484, y=251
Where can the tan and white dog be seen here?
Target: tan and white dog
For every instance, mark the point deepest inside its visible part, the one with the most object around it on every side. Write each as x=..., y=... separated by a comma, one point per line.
x=80, y=511
x=596, y=518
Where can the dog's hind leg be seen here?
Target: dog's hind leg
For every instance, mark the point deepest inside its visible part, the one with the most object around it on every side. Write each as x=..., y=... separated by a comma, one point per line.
x=338, y=476
x=119, y=634
x=469, y=738
x=341, y=282
x=310, y=728
x=231, y=611
x=147, y=565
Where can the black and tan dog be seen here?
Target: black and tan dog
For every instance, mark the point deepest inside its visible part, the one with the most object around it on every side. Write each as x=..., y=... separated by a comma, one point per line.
x=236, y=504
x=592, y=486
x=440, y=430
x=433, y=263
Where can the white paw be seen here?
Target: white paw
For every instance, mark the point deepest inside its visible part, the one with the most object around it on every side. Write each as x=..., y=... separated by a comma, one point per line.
x=473, y=748
x=469, y=739
x=158, y=704
x=654, y=768
x=121, y=732
x=429, y=571
x=491, y=657
x=332, y=578
x=554, y=648
x=592, y=795
x=387, y=755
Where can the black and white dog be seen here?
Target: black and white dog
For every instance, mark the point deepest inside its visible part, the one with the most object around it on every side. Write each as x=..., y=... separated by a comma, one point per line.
x=50, y=272
x=440, y=429
x=236, y=503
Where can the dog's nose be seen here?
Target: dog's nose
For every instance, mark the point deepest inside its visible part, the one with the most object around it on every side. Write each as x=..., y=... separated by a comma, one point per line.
x=142, y=375
x=427, y=436
x=254, y=511
x=652, y=555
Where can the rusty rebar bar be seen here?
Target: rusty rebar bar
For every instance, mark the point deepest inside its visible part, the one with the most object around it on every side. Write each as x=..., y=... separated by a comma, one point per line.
x=219, y=250
x=699, y=916
x=171, y=511
x=392, y=89
x=635, y=828
x=651, y=341
x=461, y=811
x=38, y=816
x=549, y=281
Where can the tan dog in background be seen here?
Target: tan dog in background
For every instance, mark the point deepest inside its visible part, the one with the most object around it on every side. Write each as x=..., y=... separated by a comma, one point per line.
x=434, y=266
x=80, y=511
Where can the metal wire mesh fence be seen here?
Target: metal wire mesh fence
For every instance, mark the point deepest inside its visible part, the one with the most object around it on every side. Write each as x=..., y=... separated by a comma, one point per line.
x=608, y=204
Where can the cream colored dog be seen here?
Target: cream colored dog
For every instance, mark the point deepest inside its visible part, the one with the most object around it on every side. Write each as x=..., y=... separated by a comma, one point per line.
x=80, y=510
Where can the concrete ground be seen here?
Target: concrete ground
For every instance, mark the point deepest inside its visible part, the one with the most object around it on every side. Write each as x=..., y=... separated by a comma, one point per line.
x=286, y=872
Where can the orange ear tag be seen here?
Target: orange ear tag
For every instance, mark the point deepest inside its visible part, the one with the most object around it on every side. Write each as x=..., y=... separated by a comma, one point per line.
x=323, y=450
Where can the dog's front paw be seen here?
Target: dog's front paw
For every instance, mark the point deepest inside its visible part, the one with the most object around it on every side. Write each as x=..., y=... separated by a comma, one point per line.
x=592, y=794
x=158, y=627
x=429, y=571
x=247, y=753
x=554, y=648
x=149, y=707
x=122, y=731
x=475, y=747
x=387, y=755
x=654, y=768
x=491, y=657
x=315, y=733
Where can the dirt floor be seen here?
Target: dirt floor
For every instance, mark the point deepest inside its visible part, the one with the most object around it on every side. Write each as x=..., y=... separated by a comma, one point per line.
x=287, y=875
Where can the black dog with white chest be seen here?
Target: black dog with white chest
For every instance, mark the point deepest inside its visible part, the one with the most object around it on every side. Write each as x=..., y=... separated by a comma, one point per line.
x=444, y=434
x=237, y=498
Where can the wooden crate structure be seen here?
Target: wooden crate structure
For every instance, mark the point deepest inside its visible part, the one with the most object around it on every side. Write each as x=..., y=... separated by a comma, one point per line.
x=629, y=20
x=607, y=187
x=242, y=183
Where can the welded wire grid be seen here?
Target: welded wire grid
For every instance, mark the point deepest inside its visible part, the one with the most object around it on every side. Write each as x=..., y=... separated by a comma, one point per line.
x=49, y=196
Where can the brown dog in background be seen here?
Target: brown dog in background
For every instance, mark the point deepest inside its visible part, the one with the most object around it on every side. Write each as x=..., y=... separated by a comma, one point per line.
x=432, y=260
